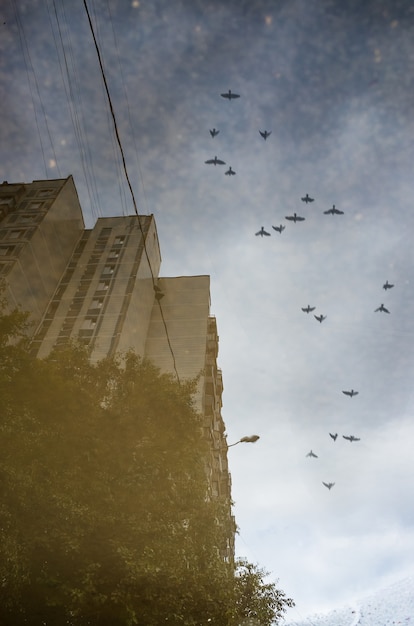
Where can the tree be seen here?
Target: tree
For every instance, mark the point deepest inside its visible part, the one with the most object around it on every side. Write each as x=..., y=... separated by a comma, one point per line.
x=256, y=598
x=104, y=518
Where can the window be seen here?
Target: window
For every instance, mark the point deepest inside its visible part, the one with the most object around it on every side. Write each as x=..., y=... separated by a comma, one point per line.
x=16, y=234
x=114, y=254
x=7, y=201
x=35, y=205
x=119, y=240
x=108, y=269
x=105, y=232
x=6, y=250
x=103, y=285
x=45, y=193
x=27, y=217
x=89, y=323
x=96, y=303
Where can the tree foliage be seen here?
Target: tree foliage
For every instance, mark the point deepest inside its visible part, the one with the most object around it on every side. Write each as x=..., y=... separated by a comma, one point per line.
x=256, y=598
x=104, y=518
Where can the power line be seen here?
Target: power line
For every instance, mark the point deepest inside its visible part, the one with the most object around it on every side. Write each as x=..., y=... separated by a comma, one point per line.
x=22, y=34
x=128, y=180
x=74, y=99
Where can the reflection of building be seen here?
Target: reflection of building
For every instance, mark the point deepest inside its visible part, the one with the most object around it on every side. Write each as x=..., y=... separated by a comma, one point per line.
x=97, y=286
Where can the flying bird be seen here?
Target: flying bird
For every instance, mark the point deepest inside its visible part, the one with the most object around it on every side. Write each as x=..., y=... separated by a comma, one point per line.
x=308, y=309
x=333, y=211
x=351, y=438
x=328, y=485
x=320, y=318
x=312, y=454
x=279, y=228
x=263, y=232
x=229, y=95
x=351, y=393
x=230, y=172
x=215, y=161
x=387, y=286
x=382, y=308
x=333, y=436
x=265, y=134
x=295, y=218
x=307, y=199
x=214, y=132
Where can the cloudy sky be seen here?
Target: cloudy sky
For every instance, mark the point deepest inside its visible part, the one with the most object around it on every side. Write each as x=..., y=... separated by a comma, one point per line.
x=333, y=81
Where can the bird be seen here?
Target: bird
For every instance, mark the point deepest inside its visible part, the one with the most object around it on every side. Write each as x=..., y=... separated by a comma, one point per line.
x=215, y=161
x=387, y=286
x=328, y=485
x=263, y=232
x=265, y=134
x=320, y=318
x=333, y=211
x=295, y=218
x=250, y=439
x=214, y=132
x=312, y=454
x=382, y=308
x=230, y=172
x=333, y=436
x=351, y=438
x=308, y=309
x=351, y=393
x=307, y=199
x=279, y=228
x=229, y=95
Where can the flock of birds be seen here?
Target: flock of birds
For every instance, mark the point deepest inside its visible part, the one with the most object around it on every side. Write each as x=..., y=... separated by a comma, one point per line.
x=298, y=218
x=350, y=393
x=229, y=95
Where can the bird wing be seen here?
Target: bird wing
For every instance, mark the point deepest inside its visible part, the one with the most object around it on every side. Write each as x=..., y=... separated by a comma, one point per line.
x=300, y=219
x=328, y=211
x=219, y=162
x=347, y=393
x=345, y=437
x=290, y=217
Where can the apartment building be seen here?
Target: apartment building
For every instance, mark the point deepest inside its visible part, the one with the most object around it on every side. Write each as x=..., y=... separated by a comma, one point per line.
x=101, y=286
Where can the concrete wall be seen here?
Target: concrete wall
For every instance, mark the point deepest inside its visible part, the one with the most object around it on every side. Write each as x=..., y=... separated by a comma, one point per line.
x=53, y=230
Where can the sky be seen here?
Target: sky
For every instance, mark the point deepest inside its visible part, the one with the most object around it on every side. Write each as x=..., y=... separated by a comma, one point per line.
x=333, y=82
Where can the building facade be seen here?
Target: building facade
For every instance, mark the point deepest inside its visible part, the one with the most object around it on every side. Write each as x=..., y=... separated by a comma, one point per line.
x=101, y=286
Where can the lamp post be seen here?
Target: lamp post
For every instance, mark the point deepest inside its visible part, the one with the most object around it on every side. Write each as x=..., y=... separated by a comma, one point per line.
x=250, y=439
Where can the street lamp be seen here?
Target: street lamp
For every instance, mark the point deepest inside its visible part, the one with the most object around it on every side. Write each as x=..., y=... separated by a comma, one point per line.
x=250, y=439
